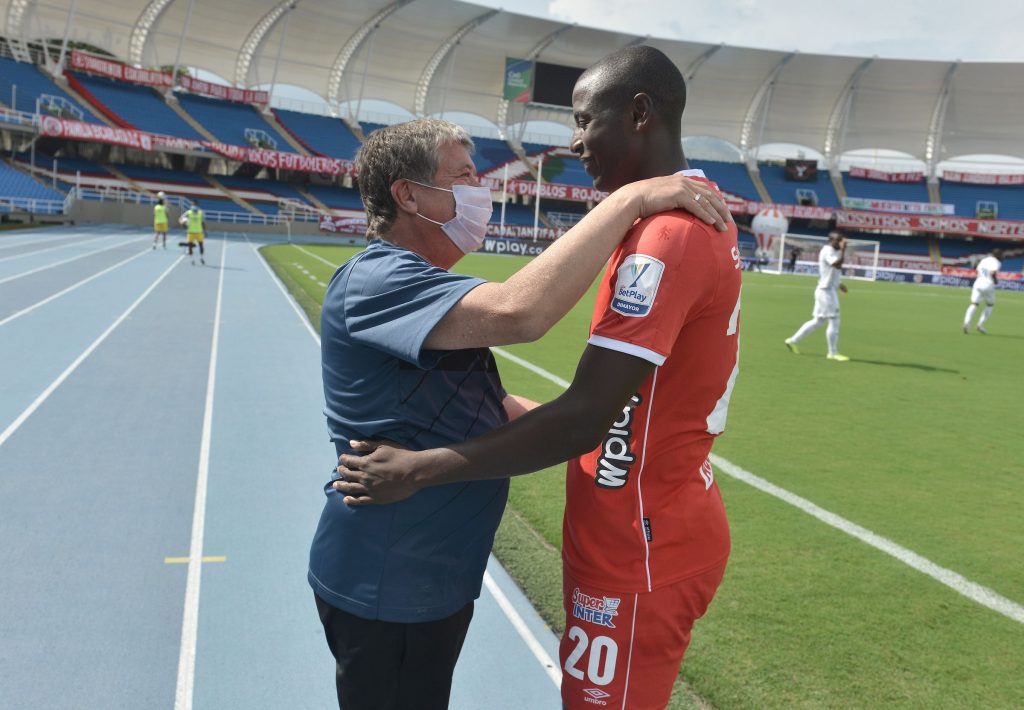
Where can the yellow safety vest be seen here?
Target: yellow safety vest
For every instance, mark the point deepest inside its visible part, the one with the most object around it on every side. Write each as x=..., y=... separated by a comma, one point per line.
x=160, y=214
x=195, y=221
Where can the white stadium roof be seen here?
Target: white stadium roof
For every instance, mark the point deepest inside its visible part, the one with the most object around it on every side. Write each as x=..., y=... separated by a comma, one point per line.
x=429, y=56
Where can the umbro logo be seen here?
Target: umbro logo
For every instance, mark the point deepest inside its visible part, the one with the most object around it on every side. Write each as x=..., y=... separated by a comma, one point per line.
x=597, y=693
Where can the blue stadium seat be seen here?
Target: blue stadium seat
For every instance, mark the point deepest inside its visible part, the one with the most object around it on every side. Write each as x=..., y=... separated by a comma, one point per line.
x=731, y=177
x=879, y=190
x=140, y=106
x=227, y=120
x=321, y=134
x=965, y=197
x=491, y=153
x=31, y=82
x=336, y=197
x=783, y=191
x=183, y=177
x=14, y=183
x=274, y=187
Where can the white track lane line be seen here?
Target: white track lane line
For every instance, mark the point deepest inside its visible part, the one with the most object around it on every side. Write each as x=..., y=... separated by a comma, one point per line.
x=184, y=691
x=69, y=289
x=16, y=424
x=8, y=243
x=68, y=261
x=955, y=581
x=550, y=667
x=288, y=297
x=59, y=246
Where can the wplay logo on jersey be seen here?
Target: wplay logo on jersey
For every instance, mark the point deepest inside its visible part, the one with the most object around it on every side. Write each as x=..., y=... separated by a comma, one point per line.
x=596, y=610
x=637, y=285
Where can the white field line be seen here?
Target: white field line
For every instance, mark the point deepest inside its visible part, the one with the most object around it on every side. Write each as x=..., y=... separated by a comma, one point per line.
x=59, y=246
x=957, y=582
x=538, y=651
x=23, y=274
x=14, y=426
x=288, y=297
x=184, y=691
x=69, y=289
x=315, y=256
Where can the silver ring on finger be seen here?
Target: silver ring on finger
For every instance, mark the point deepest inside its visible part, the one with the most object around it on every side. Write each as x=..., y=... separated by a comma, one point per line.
x=696, y=197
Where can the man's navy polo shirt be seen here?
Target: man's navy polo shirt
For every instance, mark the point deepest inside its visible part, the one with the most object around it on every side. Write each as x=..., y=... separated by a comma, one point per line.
x=423, y=558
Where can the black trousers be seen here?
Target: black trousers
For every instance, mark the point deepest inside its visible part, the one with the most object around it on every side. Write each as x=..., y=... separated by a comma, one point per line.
x=382, y=665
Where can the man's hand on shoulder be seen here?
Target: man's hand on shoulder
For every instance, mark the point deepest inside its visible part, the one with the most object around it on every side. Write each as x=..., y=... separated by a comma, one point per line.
x=677, y=192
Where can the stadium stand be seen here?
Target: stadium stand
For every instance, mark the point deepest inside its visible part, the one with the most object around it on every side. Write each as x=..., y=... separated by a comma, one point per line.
x=180, y=177
x=491, y=153
x=783, y=191
x=228, y=121
x=515, y=214
x=730, y=177
x=272, y=187
x=320, y=134
x=336, y=197
x=880, y=190
x=137, y=106
x=965, y=197
x=14, y=183
x=29, y=83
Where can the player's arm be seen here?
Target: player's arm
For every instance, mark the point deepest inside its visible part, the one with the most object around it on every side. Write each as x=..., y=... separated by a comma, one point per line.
x=564, y=428
x=838, y=263
x=524, y=307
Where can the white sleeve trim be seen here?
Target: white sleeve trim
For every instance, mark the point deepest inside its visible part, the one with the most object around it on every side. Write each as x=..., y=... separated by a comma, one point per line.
x=627, y=348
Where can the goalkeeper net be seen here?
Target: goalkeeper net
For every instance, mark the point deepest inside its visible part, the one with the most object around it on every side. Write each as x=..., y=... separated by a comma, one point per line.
x=798, y=254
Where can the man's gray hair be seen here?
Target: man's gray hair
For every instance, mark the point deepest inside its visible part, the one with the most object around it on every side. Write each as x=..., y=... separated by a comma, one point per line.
x=406, y=150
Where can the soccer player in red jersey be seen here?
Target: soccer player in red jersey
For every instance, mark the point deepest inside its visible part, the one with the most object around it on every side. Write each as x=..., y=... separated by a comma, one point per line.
x=645, y=537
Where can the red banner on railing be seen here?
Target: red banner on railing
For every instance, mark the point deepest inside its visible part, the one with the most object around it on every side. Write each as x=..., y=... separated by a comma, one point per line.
x=991, y=228
x=227, y=93
x=982, y=178
x=548, y=191
x=883, y=176
x=80, y=61
x=82, y=131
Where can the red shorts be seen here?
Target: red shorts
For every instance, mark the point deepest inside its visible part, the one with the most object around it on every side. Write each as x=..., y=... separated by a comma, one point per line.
x=623, y=650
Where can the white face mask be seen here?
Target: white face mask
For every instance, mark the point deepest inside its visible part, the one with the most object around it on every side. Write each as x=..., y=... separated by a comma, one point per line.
x=473, y=209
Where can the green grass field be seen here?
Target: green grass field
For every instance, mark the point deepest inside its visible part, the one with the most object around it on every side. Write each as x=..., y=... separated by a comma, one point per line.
x=917, y=439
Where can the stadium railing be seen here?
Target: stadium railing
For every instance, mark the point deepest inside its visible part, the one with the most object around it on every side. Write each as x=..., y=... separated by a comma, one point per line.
x=33, y=205
x=109, y=194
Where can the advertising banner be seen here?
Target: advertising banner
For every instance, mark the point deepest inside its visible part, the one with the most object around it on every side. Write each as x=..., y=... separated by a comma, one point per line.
x=342, y=225
x=227, y=93
x=873, y=205
x=982, y=178
x=883, y=176
x=991, y=228
x=518, y=80
x=82, y=131
x=80, y=61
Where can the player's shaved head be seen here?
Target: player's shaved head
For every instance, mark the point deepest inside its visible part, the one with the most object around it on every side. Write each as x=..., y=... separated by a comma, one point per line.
x=620, y=76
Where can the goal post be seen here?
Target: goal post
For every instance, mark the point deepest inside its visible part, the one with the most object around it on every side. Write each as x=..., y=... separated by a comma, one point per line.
x=798, y=253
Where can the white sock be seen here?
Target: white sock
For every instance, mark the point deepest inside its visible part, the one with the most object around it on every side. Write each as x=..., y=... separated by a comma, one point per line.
x=971, y=310
x=809, y=327
x=984, y=315
x=832, y=335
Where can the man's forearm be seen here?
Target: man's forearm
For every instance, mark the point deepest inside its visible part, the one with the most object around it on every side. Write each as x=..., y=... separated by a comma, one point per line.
x=554, y=282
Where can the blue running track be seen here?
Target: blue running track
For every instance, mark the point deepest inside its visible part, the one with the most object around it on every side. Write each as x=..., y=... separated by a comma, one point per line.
x=162, y=457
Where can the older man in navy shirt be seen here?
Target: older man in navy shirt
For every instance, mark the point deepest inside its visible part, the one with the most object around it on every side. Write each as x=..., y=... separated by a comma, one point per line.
x=405, y=358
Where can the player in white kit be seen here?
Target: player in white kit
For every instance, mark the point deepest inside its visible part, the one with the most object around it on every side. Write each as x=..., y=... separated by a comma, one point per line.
x=984, y=290
x=826, y=298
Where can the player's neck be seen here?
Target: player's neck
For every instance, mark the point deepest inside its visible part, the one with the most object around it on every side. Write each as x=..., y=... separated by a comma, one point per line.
x=663, y=162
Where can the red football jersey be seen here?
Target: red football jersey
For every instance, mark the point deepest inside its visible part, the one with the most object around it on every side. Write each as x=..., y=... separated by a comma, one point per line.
x=643, y=510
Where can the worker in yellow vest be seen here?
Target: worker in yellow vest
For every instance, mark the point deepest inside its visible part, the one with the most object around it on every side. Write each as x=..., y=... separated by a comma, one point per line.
x=160, y=221
x=196, y=227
